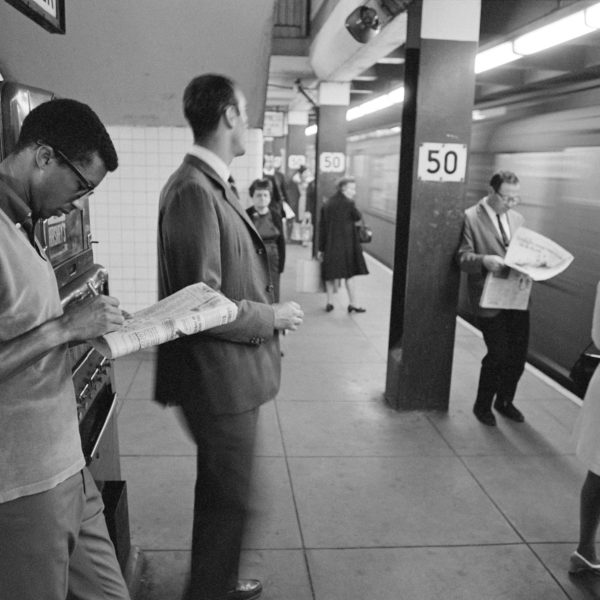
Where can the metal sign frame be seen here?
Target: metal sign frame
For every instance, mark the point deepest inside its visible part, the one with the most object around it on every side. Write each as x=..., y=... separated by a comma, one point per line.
x=49, y=14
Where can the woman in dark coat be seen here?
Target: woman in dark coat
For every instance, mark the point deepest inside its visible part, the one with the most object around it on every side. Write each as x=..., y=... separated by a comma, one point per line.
x=339, y=246
x=269, y=225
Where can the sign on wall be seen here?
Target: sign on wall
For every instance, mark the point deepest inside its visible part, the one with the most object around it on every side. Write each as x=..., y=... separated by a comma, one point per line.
x=295, y=161
x=332, y=162
x=442, y=162
x=273, y=124
x=50, y=14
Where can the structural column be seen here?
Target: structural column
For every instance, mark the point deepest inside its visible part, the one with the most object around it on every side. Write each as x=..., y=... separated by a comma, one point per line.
x=334, y=98
x=296, y=141
x=442, y=39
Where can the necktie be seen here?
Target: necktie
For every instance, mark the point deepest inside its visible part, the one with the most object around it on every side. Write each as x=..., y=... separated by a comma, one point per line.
x=232, y=186
x=505, y=239
x=29, y=229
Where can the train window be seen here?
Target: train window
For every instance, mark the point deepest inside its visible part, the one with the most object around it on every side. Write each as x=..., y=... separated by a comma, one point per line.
x=375, y=163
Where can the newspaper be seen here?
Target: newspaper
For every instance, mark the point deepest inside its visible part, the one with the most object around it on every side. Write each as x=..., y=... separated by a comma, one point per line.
x=530, y=257
x=506, y=289
x=192, y=309
x=535, y=255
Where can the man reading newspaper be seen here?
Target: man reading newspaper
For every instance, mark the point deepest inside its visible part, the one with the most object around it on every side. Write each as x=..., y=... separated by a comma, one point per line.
x=487, y=230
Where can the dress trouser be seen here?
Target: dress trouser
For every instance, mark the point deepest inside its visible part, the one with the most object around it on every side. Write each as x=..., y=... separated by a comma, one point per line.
x=224, y=467
x=54, y=545
x=506, y=336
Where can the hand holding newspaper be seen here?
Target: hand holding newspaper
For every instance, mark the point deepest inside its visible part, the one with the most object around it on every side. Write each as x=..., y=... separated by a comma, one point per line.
x=192, y=309
x=530, y=257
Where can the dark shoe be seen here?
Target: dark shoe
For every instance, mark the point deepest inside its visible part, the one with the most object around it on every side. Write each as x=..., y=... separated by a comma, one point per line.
x=579, y=564
x=510, y=412
x=329, y=308
x=246, y=589
x=356, y=309
x=485, y=416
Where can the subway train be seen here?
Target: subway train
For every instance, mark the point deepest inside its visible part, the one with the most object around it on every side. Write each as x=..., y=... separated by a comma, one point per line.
x=551, y=139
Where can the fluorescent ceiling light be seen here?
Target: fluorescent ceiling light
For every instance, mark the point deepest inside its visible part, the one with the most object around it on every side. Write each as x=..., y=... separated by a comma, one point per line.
x=391, y=60
x=494, y=57
x=396, y=96
x=488, y=113
x=556, y=33
x=592, y=16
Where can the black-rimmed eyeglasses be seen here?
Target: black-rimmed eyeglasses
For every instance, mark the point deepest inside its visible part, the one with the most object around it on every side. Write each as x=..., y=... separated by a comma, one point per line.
x=87, y=184
x=509, y=199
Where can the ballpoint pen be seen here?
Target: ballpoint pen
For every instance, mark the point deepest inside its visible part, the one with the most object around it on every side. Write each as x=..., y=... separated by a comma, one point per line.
x=90, y=285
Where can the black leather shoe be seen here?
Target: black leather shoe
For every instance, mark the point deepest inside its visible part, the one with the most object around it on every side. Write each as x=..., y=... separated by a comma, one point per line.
x=246, y=589
x=356, y=309
x=329, y=308
x=510, y=412
x=485, y=416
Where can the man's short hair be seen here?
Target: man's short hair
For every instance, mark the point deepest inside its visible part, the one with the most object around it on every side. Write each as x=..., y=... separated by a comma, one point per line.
x=71, y=127
x=344, y=181
x=500, y=177
x=261, y=184
x=205, y=99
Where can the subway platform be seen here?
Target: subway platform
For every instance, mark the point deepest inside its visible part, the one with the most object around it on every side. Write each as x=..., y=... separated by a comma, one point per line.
x=353, y=500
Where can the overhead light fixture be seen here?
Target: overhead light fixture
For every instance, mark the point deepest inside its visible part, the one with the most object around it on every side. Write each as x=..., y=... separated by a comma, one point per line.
x=391, y=60
x=396, y=96
x=592, y=16
x=310, y=130
x=363, y=24
x=553, y=34
x=495, y=57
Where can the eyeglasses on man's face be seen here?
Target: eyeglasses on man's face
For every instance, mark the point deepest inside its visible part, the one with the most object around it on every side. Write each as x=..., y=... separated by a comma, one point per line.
x=88, y=186
x=509, y=199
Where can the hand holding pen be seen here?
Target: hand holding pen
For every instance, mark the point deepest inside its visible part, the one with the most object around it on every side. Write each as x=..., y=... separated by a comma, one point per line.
x=94, y=291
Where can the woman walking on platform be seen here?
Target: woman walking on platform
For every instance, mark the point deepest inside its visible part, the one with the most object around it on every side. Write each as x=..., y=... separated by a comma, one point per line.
x=339, y=247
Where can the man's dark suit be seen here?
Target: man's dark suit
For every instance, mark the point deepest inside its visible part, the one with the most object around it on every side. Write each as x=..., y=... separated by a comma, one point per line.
x=506, y=332
x=220, y=377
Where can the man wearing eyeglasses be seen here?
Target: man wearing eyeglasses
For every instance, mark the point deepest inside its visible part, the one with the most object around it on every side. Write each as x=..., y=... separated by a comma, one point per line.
x=221, y=377
x=53, y=536
x=487, y=230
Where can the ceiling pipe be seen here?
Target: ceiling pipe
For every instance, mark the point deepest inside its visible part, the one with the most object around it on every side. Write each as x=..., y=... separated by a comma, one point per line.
x=336, y=56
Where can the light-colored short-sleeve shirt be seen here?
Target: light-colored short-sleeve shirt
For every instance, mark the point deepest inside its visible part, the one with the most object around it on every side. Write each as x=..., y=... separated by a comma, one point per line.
x=40, y=444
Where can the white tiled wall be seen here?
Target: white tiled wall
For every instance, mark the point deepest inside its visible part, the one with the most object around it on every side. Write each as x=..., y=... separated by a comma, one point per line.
x=125, y=207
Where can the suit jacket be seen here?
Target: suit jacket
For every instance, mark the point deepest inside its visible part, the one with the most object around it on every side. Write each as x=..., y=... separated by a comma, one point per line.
x=205, y=235
x=480, y=237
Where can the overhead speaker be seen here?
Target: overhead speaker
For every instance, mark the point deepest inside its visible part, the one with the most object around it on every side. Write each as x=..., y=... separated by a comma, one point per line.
x=363, y=24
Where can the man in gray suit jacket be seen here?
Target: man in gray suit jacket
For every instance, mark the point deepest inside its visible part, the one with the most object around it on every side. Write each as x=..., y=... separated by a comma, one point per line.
x=486, y=234
x=221, y=377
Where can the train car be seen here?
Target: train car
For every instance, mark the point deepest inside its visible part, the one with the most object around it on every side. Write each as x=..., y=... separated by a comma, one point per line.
x=552, y=141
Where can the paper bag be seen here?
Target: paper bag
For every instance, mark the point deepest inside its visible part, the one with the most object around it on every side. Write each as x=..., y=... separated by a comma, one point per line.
x=308, y=276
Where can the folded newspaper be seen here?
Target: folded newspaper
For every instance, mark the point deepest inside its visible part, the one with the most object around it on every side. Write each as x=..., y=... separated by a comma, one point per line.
x=192, y=309
x=530, y=257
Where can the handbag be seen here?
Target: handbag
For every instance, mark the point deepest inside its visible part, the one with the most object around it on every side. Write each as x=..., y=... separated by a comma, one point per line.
x=365, y=234
x=306, y=228
x=308, y=276
x=584, y=368
x=296, y=234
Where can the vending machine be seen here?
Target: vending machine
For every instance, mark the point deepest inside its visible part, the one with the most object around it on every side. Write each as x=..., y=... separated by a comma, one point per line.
x=67, y=241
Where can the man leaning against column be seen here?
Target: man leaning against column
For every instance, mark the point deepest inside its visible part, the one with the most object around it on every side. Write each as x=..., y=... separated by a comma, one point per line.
x=487, y=229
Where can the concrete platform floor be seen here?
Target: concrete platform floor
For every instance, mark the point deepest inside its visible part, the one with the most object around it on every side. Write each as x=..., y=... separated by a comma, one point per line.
x=353, y=500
